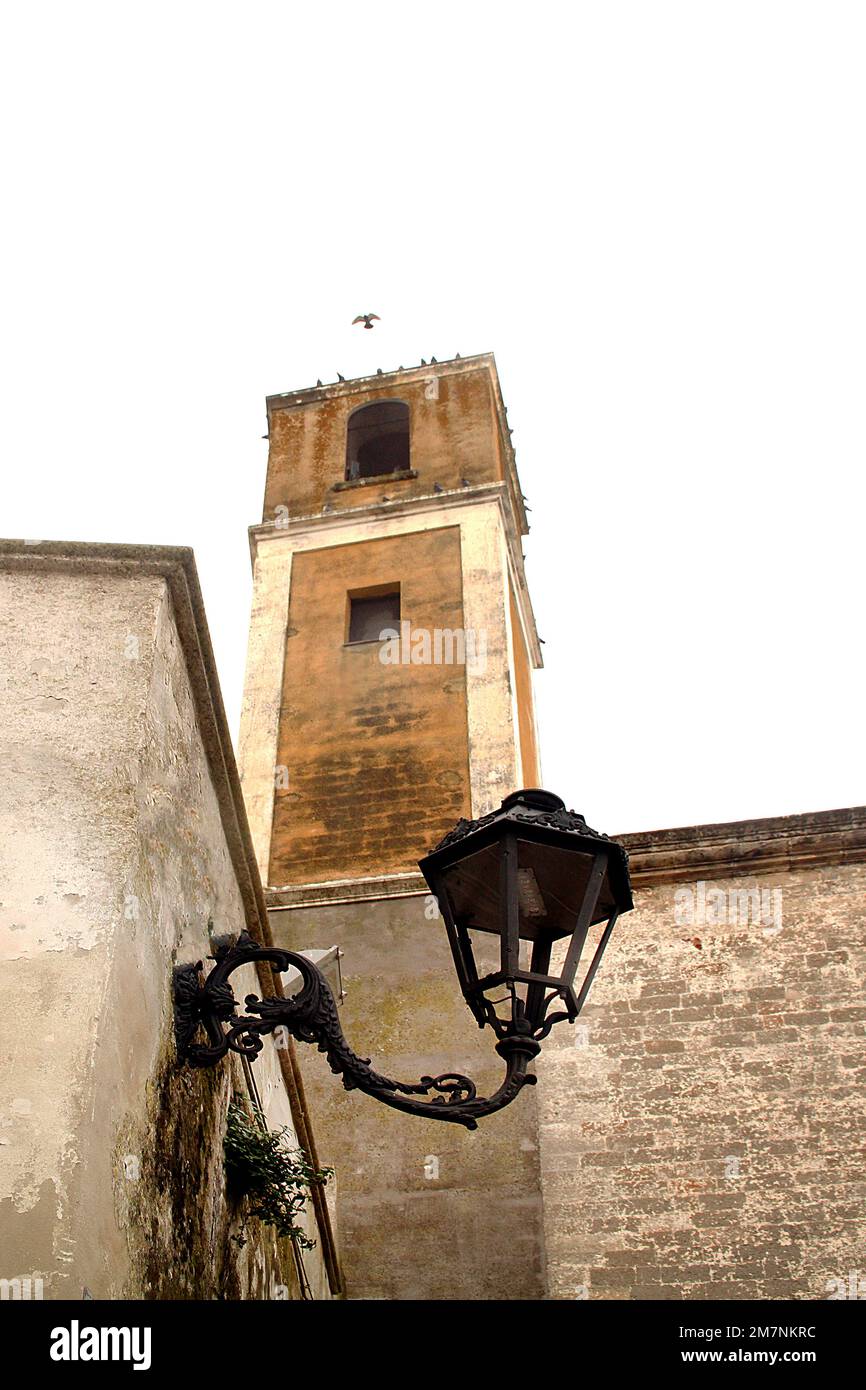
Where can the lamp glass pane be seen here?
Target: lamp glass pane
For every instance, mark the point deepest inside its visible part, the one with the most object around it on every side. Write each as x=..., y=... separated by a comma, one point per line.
x=474, y=890
x=552, y=883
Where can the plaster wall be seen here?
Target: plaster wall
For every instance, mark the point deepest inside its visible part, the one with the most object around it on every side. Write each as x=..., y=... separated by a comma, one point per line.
x=426, y=1210
x=114, y=862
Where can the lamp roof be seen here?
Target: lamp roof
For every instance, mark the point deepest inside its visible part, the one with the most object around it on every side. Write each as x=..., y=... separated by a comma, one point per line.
x=534, y=814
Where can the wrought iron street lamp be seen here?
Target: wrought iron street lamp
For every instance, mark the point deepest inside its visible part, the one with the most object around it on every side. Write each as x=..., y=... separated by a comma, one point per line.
x=532, y=874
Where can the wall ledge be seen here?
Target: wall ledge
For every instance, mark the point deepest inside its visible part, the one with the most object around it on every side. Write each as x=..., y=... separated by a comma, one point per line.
x=775, y=844
x=346, y=890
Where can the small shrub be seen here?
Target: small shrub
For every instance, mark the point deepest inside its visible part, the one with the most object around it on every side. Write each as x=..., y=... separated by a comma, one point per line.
x=274, y=1178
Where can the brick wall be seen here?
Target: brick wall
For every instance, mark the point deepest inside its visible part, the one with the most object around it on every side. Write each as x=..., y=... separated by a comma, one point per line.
x=702, y=1128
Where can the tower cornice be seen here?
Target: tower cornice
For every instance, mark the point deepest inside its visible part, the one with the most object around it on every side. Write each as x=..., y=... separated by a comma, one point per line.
x=353, y=386
x=329, y=527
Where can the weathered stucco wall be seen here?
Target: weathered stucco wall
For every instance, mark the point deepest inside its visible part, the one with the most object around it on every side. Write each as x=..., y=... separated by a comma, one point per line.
x=114, y=861
x=702, y=1129
x=374, y=756
x=453, y=434
x=426, y=1210
x=313, y=709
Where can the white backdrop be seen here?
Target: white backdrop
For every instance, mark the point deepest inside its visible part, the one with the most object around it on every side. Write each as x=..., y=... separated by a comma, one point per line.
x=654, y=215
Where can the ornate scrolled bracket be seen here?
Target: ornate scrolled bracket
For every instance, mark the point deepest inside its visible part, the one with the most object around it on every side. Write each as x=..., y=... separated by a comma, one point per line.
x=310, y=1016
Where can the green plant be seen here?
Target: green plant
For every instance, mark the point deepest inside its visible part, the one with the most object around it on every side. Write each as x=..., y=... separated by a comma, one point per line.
x=274, y=1178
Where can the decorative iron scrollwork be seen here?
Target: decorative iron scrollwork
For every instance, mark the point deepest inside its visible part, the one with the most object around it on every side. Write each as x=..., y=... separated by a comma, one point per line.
x=552, y=817
x=310, y=1016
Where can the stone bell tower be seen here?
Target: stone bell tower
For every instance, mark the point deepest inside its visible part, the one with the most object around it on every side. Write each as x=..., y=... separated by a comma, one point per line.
x=388, y=692
x=392, y=504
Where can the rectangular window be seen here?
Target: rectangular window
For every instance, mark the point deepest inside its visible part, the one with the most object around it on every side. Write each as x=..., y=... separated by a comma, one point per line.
x=371, y=611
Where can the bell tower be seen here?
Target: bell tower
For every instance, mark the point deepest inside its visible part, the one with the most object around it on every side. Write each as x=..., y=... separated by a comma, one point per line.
x=392, y=505
x=388, y=693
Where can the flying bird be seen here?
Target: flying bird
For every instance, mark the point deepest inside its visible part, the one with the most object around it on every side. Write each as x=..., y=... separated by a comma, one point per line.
x=366, y=320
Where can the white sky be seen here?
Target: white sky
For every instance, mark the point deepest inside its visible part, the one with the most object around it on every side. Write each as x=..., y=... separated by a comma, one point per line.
x=654, y=215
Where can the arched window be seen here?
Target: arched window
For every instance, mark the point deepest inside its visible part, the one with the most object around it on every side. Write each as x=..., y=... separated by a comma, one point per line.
x=377, y=440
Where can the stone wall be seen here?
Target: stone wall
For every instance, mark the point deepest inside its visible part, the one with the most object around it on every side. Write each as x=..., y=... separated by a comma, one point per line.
x=121, y=845
x=702, y=1128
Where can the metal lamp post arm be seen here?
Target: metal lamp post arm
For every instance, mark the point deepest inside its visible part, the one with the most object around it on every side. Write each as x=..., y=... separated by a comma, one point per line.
x=311, y=1016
